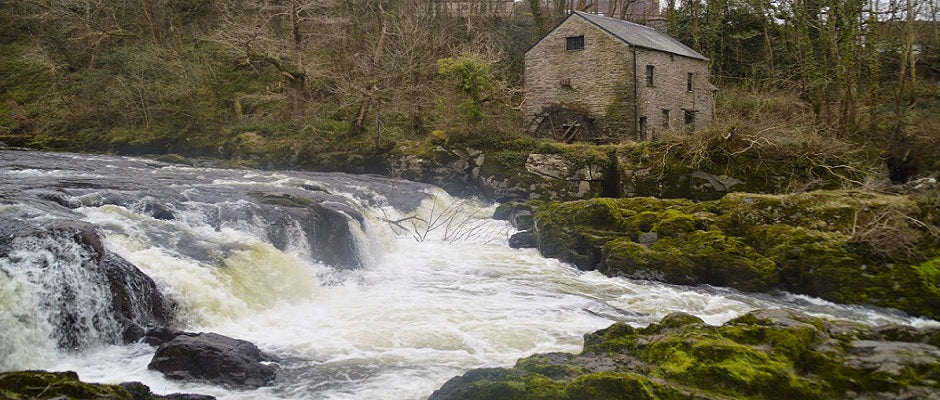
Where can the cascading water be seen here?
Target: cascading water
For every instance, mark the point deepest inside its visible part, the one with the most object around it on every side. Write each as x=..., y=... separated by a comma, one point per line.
x=366, y=287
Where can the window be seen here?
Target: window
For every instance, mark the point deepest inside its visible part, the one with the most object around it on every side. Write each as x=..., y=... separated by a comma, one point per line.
x=574, y=43
x=688, y=82
x=666, y=118
x=690, y=119
x=641, y=135
x=649, y=75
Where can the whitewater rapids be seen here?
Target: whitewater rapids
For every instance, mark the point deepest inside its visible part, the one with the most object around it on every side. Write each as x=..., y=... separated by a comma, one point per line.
x=425, y=305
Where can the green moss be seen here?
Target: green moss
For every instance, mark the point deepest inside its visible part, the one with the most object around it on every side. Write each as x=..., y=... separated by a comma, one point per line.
x=622, y=256
x=844, y=246
x=928, y=271
x=615, y=338
x=674, y=223
x=716, y=360
x=56, y=385
x=580, y=155
x=511, y=159
x=723, y=260
x=679, y=319
x=575, y=231
x=553, y=365
x=611, y=385
x=765, y=354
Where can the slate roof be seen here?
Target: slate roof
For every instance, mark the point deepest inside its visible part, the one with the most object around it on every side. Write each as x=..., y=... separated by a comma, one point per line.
x=641, y=35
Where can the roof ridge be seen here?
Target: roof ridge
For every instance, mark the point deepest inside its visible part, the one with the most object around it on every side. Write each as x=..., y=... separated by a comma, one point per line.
x=647, y=37
x=623, y=21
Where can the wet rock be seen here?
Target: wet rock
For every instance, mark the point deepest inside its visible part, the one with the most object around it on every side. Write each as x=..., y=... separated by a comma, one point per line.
x=326, y=229
x=56, y=196
x=159, y=211
x=135, y=299
x=160, y=335
x=187, y=396
x=503, y=210
x=90, y=288
x=455, y=170
x=67, y=386
x=522, y=219
x=216, y=359
x=519, y=215
x=522, y=240
x=139, y=391
x=765, y=354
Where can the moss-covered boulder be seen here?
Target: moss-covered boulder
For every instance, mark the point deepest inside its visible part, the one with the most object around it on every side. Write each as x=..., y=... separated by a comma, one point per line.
x=844, y=246
x=23, y=385
x=766, y=354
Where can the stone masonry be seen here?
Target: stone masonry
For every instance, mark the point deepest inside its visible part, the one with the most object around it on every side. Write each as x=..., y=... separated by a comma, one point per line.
x=670, y=92
x=594, y=79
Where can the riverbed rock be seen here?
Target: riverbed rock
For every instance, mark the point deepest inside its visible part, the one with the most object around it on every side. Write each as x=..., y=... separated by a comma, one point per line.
x=765, y=354
x=522, y=240
x=216, y=359
x=326, y=229
x=91, y=288
x=67, y=385
x=843, y=246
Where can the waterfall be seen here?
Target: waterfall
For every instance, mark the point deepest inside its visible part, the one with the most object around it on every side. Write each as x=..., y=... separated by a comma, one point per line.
x=63, y=290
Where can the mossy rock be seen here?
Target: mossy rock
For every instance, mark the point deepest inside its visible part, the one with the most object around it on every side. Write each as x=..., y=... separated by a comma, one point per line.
x=55, y=385
x=574, y=231
x=698, y=257
x=843, y=246
x=765, y=354
x=624, y=257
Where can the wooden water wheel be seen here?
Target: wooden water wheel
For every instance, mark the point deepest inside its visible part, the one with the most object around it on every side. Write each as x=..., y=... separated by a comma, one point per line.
x=565, y=124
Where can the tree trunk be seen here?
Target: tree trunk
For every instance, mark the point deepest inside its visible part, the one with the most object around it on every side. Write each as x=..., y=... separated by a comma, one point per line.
x=296, y=96
x=372, y=93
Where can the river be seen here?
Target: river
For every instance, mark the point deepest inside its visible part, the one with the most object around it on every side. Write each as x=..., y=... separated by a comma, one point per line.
x=412, y=305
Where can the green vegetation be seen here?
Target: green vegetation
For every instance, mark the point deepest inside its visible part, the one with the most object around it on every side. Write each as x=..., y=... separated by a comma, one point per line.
x=265, y=85
x=844, y=246
x=772, y=354
x=342, y=85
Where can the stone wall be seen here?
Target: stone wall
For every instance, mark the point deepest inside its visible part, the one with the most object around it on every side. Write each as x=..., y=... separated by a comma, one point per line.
x=670, y=91
x=597, y=79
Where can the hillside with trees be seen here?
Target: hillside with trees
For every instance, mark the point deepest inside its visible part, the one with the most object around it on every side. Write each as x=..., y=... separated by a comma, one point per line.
x=294, y=78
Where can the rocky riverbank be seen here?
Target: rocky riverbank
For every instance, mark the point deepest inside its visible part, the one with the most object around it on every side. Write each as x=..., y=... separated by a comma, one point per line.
x=767, y=354
x=843, y=246
x=520, y=171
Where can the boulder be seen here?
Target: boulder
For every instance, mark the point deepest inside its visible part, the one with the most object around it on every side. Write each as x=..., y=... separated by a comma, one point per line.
x=843, y=246
x=67, y=386
x=765, y=354
x=216, y=359
x=79, y=279
x=522, y=240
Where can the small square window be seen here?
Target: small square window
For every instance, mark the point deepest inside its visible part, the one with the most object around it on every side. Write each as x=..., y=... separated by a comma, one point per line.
x=649, y=75
x=688, y=83
x=574, y=43
x=666, y=118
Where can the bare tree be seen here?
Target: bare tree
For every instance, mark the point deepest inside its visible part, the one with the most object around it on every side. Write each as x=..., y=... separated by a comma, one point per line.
x=286, y=35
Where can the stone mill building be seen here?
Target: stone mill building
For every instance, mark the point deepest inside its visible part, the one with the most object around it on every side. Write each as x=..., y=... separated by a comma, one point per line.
x=596, y=78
